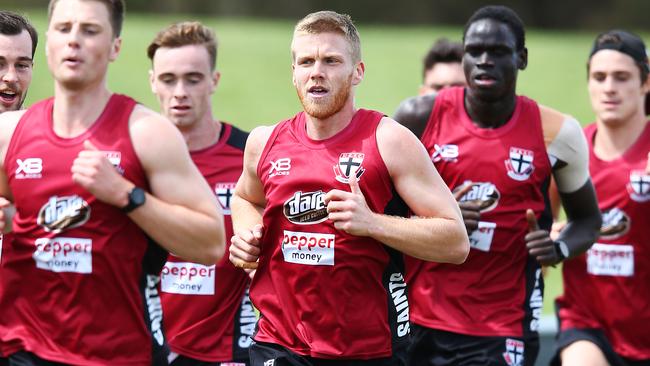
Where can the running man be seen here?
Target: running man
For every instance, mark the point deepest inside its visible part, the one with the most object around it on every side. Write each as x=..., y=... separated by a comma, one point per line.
x=497, y=151
x=604, y=313
x=209, y=319
x=319, y=203
x=94, y=178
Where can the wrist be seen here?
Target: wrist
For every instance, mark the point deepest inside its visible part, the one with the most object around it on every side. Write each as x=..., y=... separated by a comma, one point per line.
x=375, y=227
x=561, y=249
x=135, y=197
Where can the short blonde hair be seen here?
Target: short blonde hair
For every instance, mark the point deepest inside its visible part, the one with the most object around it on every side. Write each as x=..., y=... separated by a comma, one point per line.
x=327, y=21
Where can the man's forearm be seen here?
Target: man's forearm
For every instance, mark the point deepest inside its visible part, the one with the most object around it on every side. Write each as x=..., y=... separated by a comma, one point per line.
x=198, y=237
x=432, y=239
x=245, y=214
x=583, y=219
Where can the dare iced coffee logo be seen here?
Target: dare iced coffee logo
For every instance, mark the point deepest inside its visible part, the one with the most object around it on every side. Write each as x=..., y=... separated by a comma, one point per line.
x=62, y=213
x=306, y=208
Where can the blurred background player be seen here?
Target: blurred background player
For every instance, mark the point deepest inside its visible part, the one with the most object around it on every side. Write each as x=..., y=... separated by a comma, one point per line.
x=604, y=313
x=94, y=178
x=18, y=40
x=442, y=67
x=328, y=186
x=497, y=151
x=208, y=316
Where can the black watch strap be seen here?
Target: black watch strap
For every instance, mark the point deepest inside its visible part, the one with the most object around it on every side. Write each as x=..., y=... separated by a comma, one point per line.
x=136, y=199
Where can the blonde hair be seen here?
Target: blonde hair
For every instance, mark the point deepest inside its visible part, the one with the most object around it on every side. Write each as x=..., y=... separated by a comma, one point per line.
x=184, y=34
x=327, y=21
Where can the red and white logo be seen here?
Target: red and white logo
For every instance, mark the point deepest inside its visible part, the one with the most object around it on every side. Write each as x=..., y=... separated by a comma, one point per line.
x=115, y=158
x=349, y=163
x=520, y=163
x=29, y=168
x=639, y=186
x=280, y=167
x=64, y=254
x=314, y=249
x=514, y=354
x=187, y=278
x=224, y=192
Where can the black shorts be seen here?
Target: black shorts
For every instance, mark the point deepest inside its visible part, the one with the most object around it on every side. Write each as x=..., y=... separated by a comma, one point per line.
x=267, y=354
x=432, y=347
x=23, y=358
x=597, y=337
x=181, y=360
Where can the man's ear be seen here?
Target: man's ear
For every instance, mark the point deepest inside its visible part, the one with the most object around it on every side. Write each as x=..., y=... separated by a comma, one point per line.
x=522, y=59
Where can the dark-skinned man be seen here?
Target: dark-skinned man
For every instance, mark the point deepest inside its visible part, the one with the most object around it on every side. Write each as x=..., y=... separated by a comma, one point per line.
x=497, y=151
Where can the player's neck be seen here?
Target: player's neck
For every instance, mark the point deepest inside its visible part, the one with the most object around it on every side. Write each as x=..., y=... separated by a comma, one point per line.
x=489, y=114
x=613, y=140
x=321, y=129
x=76, y=110
x=203, y=134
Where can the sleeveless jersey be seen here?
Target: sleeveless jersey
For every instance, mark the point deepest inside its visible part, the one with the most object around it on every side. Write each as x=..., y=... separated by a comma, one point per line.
x=498, y=290
x=321, y=292
x=74, y=288
x=208, y=315
x=608, y=287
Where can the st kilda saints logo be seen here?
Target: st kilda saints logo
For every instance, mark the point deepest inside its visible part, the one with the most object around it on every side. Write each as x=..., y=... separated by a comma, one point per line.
x=349, y=163
x=224, y=192
x=639, y=186
x=63, y=213
x=306, y=208
x=615, y=223
x=485, y=194
x=520, y=163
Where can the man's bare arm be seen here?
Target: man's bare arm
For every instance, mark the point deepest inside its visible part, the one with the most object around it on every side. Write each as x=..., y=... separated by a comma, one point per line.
x=181, y=212
x=436, y=234
x=8, y=123
x=248, y=204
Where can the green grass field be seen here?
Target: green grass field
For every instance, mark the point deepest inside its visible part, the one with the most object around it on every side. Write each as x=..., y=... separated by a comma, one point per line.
x=256, y=87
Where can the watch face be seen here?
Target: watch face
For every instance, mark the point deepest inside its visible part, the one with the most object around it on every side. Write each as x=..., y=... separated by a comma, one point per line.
x=137, y=196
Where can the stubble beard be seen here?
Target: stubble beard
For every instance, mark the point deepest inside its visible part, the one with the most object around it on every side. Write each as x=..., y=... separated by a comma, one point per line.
x=323, y=109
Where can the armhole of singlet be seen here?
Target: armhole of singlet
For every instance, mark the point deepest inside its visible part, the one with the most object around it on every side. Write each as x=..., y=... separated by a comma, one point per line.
x=237, y=138
x=15, y=136
x=269, y=144
x=386, y=178
x=128, y=112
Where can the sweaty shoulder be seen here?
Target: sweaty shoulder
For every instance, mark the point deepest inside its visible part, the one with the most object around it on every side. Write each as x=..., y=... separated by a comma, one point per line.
x=8, y=123
x=567, y=148
x=414, y=112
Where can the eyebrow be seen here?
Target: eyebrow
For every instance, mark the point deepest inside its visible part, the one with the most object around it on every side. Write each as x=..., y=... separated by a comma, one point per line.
x=21, y=58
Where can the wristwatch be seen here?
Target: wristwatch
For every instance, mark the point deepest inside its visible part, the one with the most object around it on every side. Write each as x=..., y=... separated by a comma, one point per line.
x=561, y=249
x=136, y=199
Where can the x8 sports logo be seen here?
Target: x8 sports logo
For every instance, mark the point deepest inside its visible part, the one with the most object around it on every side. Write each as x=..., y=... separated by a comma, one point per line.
x=280, y=167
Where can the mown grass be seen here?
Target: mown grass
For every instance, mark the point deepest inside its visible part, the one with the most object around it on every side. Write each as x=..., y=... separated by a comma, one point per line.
x=256, y=87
